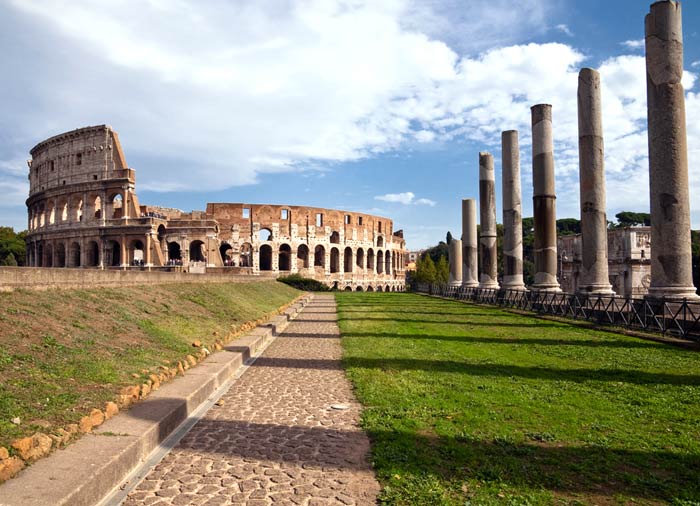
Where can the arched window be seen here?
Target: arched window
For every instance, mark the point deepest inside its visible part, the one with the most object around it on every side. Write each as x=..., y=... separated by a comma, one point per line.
x=380, y=262
x=319, y=256
x=335, y=260
x=246, y=252
x=335, y=238
x=174, y=251
x=93, y=254
x=360, y=258
x=302, y=256
x=347, y=260
x=74, y=255
x=226, y=251
x=136, y=252
x=265, y=235
x=197, y=253
x=370, y=260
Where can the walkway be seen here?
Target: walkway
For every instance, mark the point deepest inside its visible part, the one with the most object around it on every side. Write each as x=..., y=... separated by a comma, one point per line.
x=275, y=439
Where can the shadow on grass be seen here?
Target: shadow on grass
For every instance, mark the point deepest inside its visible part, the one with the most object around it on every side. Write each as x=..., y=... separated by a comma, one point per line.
x=487, y=370
x=465, y=321
x=655, y=475
x=524, y=341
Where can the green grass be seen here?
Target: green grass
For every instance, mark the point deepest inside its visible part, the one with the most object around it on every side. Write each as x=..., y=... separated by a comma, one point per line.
x=63, y=352
x=471, y=405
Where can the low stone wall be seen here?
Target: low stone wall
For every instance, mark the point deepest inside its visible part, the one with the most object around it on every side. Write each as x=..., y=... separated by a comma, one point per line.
x=38, y=278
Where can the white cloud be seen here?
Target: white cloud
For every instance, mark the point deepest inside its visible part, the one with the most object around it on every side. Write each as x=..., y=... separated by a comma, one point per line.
x=565, y=30
x=633, y=44
x=406, y=198
x=695, y=64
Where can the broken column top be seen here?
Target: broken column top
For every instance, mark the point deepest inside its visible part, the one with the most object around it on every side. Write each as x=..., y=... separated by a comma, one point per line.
x=541, y=112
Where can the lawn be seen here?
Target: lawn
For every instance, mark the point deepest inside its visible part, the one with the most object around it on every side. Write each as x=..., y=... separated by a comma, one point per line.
x=472, y=405
x=63, y=352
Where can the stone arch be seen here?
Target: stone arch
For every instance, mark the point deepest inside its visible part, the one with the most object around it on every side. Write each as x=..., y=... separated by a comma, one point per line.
x=380, y=242
x=197, y=251
x=347, y=259
x=60, y=255
x=114, y=253
x=380, y=262
x=335, y=260
x=265, y=257
x=370, y=260
x=174, y=251
x=335, y=237
x=319, y=256
x=285, y=258
x=302, y=257
x=387, y=262
x=246, y=258
x=386, y=288
x=359, y=289
x=77, y=210
x=226, y=251
x=379, y=288
x=74, y=254
x=360, y=258
x=370, y=288
x=136, y=252
x=264, y=235
x=64, y=210
x=116, y=206
x=97, y=206
x=52, y=213
x=93, y=254
x=161, y=233
x=48, y=255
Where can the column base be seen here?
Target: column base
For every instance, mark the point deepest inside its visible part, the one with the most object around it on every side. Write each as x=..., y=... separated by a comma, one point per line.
x=676, y=293
x=514, y=286
x=596, y=290
x=471, y=284
x=546, y=288
x=455, y=284
x=489, y=286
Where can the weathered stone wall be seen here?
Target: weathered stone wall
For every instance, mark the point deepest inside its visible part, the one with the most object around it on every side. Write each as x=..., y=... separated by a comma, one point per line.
x=34, y=278
x=83, y=212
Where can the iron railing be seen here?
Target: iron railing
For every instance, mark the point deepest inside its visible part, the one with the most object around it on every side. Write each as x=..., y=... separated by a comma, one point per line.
x=678, y=318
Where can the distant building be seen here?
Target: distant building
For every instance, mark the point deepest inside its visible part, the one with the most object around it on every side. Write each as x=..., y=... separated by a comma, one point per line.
x=411, y=258
x=629, y=261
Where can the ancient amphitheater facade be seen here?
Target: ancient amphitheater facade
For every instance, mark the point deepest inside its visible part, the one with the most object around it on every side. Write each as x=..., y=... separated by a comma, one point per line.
x=83, y=212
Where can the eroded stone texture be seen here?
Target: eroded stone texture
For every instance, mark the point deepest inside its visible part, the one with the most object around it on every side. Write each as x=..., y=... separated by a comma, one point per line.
x=512, y=213
x=671, y=267
x=455, y=263
x=544, y=200
x=470, y=260
x=276, y=438
x=488, y=253
x=594, y=223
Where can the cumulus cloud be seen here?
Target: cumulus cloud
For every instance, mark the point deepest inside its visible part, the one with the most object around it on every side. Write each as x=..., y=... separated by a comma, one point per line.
x=633, y=44
x=405, y=198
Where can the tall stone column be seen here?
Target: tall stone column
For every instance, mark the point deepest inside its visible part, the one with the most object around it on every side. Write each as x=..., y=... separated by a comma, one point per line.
x=544, y=200
x=455, y=262
x=594, y=224
x=671, y=268
x=512, y=213
x=470, y=261
x=488, y=252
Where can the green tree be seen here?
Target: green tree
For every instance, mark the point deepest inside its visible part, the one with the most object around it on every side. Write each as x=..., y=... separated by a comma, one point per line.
x=428, y=273
x=442, y=274
x=631, y=219
x=10, y=261
x=448, y=239
x=568, y=226
x=12, y=243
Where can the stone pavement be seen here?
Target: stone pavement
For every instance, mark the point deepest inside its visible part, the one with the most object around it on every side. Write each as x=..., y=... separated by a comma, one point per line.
x=275, y=440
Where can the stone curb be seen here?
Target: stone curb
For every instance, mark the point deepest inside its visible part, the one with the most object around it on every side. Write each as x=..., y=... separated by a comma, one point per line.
x=84, y=473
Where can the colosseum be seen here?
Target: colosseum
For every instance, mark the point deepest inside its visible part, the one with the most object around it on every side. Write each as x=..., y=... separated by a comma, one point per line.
x=83, y=212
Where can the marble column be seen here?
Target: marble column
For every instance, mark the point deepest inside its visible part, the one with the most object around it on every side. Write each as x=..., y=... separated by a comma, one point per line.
x=671, y=268
x=512, y=213
x=470, y=264
x=544, y=200
x=455, y=262
x=594, y=224
x=488, y=252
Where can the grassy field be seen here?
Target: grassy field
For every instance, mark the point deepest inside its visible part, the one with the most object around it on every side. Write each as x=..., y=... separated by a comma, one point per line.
x=65, y=352
x=470, y=405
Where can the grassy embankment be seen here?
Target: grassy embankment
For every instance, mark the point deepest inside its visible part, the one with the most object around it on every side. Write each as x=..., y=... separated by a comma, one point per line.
x=63, y=352
x=473, y=405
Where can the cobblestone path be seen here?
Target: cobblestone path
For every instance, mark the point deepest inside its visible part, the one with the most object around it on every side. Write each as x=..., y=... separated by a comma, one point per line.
x=275, y=440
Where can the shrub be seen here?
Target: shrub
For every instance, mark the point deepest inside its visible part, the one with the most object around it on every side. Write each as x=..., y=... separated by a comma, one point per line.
x=301, y=283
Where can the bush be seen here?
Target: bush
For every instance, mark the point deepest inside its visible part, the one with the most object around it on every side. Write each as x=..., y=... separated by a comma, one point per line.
x=301, y=283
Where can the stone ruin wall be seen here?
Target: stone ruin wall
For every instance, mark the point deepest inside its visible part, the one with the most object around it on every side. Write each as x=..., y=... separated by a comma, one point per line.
x=83, y=212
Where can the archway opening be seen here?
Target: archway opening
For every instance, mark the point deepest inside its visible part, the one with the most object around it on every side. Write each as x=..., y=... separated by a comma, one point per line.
x=335, y=238
x=48, y=256
x=226, y=251
x=136, y=252
x=360, y=259
x=319, y=256
x=335, y=260
x=246, y=252
x=370, y=289
x=93, y=254
x=265, y=257
x=60, y=255
x=387, y=262
x=358, y=289
x=197, y=252
x=74, y=256
x=370, y=260
x=380, y=262
x=347, y=260
x=302, y=256
x=285, y=257
x=174, y=253
x=114, y=254
x=117, y=205
x=380, y=242
x=265, y=235
x=348, y=289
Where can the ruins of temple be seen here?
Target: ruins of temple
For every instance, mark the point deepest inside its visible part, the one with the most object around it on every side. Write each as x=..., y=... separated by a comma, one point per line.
x=629, y=261
x=83, y=212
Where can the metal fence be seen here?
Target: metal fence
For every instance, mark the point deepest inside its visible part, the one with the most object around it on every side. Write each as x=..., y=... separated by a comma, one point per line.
x=669, y=317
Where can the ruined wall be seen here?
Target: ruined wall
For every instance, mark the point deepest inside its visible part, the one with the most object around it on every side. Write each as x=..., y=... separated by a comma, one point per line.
x=83, y=212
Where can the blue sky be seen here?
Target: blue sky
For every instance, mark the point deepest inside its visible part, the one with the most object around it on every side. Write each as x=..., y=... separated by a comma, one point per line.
x=373, y=106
